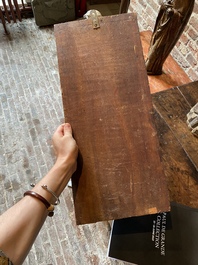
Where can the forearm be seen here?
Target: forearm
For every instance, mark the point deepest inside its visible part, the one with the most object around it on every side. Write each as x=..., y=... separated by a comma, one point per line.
x=56, y=179
x=20, y=225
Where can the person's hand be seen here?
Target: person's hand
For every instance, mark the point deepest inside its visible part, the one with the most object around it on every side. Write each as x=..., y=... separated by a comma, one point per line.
x=65, y=146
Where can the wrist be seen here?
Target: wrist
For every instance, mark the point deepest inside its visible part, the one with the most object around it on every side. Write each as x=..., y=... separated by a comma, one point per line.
x=66, y=164
x=56, y=179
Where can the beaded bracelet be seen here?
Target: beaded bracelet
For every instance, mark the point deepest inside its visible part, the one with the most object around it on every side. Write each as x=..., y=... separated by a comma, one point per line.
x=35, y=195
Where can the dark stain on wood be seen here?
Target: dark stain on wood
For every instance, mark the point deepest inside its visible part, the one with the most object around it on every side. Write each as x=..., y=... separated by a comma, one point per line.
x=181, y=174
x=173, y=106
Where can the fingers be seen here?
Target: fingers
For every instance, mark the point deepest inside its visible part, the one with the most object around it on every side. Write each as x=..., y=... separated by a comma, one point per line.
x=63, y=129
x=60, y=130
x=67, y=128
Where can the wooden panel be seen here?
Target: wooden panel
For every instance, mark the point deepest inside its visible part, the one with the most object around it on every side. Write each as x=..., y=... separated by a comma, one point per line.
x=173, y=75
x=107, y=100
x=181, y=174
x=173, y=106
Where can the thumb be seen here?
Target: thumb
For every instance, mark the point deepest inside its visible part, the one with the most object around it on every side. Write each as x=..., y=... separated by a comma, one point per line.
x=67, y=128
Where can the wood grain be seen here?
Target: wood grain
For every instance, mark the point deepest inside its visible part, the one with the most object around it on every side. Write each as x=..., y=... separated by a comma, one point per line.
x=106, y=99
x=181, y=174
x=173, y=106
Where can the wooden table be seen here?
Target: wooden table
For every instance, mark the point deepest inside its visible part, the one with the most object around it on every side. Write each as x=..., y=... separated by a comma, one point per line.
x=179, y=147
x=173, y=75
x=173, y=95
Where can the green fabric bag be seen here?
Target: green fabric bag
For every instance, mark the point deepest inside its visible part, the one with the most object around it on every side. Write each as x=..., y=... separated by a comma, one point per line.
x=49, y=12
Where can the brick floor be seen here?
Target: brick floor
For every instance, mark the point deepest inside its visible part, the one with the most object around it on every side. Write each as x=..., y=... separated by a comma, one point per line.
x=30, y=111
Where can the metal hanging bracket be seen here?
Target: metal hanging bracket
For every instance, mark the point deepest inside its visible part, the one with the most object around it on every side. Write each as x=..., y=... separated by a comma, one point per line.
x=95, y=19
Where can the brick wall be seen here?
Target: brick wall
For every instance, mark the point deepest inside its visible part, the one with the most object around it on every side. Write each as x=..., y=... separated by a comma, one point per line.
x=185, y=51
